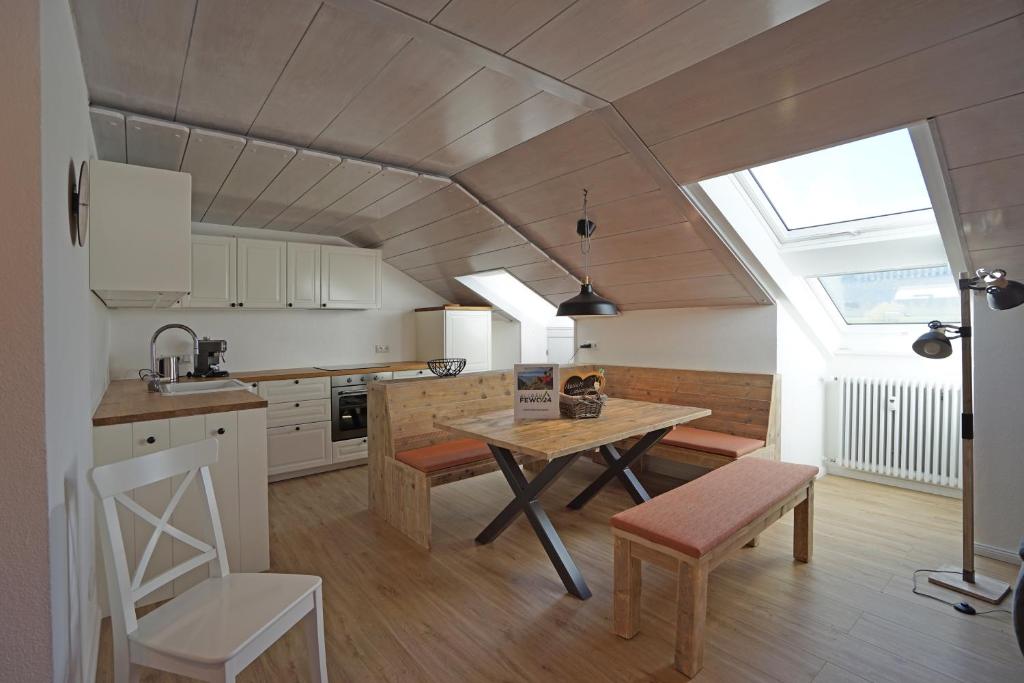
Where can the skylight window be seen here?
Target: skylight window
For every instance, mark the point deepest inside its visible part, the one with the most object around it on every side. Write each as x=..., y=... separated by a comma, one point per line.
x=895, y=297
x=849, y=187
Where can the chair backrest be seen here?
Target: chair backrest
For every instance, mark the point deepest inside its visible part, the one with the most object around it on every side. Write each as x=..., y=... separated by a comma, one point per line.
x=744, y=404
x=112, y=483
x=404, y=411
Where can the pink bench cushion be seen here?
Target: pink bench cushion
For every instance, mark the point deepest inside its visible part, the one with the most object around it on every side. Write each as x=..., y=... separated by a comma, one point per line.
x=711, y=442
x=441, y=456
x=698, y=516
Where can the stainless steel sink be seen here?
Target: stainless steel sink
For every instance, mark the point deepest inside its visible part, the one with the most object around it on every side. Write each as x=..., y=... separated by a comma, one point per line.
x=205, y=387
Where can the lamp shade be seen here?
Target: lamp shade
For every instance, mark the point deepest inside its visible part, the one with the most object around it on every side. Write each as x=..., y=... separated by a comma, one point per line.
x=587, y=303
x=933, y=344
x=1010, y=295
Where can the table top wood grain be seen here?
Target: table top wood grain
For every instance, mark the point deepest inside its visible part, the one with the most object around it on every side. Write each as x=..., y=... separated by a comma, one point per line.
x=550, y=439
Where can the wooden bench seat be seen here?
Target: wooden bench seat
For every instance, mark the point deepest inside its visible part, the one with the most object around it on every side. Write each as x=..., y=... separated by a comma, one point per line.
x=745, y=408
x=408, y=455
x=708, y=441
x=442, y=456
x=693, y=528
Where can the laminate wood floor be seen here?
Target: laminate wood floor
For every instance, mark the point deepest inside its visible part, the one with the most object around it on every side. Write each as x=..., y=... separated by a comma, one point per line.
x=499, y=613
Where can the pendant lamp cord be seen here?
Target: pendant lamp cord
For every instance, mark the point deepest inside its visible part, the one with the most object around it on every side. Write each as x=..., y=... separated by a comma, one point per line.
x=585, y=239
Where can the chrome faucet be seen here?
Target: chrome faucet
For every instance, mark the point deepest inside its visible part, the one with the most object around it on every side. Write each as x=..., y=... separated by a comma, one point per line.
x=154, y=375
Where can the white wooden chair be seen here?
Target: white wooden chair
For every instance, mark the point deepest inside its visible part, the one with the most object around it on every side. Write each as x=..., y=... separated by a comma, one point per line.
x=216, y=628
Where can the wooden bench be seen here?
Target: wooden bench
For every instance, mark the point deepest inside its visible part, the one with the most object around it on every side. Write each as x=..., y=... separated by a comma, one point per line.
x=691, y=529
x=745, y=408
x=408, y=456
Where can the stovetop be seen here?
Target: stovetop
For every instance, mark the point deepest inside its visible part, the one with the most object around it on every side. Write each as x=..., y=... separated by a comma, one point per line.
x=352, y=366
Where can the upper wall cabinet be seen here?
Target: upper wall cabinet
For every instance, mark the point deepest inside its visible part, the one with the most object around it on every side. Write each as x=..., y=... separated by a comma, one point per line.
x=229, y=272
x=139, y=234
x=349, y=277
x=261, y=273
x=213, y=272
x=303, y=275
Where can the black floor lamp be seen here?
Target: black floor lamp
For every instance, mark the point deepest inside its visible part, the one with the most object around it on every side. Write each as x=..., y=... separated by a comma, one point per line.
x=1002, y=294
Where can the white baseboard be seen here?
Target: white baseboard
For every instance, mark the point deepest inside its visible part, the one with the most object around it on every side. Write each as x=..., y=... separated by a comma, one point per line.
x=997, y=553
x=841, y=471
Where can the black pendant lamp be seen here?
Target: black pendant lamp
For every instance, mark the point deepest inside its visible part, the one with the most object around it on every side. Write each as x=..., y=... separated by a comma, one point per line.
x=587, y=302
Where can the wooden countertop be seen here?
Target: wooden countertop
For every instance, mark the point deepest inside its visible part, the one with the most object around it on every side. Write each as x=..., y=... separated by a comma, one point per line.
x=129, y=400
x=305, y=373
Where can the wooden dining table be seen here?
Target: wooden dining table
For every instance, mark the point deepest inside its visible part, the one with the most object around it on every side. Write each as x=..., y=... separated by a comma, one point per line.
x=559, y=443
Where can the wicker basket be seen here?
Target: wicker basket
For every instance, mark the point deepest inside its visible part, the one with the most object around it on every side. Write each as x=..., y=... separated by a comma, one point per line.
x=580, y=407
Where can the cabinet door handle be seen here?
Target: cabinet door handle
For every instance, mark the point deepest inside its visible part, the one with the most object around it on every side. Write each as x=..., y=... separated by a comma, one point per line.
x=289, y=304
x=323, y=305
x=150, y=439
x=297, y=428
x=220, y=430
x=253, y=385
x=296, y=381
x=232, y=304
x=240, y=304
x=297, y=405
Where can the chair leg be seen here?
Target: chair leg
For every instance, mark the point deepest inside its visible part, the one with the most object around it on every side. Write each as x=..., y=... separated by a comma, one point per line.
x=754, y=542
x=692, y=597
x=626, y=607
x=313, y=625
x=803, y=527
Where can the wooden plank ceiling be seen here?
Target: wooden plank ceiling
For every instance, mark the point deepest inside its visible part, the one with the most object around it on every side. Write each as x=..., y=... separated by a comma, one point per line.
x=456, y=136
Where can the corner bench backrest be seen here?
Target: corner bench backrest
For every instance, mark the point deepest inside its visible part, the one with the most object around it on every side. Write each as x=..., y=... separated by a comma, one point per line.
x=744, y=404
x=403, y=411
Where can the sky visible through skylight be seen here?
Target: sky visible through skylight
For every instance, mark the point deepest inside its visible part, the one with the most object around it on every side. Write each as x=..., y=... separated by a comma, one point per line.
x=877, y=176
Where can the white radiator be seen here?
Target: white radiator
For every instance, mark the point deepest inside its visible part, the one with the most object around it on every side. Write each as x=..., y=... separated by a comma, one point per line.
x=907, y=429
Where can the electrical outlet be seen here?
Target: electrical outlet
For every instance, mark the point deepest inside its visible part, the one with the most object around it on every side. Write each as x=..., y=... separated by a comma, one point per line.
x=382, y=348
x=592, y=346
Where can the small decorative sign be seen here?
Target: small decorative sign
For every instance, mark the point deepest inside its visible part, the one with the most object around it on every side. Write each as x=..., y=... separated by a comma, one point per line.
x=536, y=395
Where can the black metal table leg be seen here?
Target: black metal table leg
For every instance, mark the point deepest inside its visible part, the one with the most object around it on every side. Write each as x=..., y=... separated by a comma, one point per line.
x=525, y=502
x=618, y=467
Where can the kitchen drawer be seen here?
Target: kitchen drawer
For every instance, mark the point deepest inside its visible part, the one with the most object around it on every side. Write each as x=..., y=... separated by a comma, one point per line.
x=298, y=412
x=299, y=447
x=350, y=449
x=292, y=390
x=406, y=374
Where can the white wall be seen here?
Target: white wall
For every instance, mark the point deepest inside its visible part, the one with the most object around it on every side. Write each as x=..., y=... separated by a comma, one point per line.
x=739, y=339
x=74, y=353
x=505, y=341
x=279, y=338
x=25, y=628
x=999, y=429
x=803, y=368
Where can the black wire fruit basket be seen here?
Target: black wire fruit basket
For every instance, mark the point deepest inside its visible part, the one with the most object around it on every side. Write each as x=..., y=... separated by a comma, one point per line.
x=446, y=367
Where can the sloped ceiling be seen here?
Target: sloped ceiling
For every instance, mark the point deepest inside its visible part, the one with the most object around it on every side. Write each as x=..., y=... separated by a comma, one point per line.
x=348, y=117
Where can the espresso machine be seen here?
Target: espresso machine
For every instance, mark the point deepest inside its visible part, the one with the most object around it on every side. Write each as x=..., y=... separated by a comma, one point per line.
x=210, y=356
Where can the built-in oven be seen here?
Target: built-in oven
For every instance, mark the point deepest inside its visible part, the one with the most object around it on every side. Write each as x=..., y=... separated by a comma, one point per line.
x=349, y=414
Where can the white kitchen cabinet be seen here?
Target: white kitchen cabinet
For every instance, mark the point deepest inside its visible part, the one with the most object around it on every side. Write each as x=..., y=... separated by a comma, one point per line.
x=214, y=261
x=455, y=332
x=410, y=374
x=349, y=277
x=239, y=481
x=291, y=390
x=303, y=275
x=299, y=447
x=298, y=412
x=261, y=273
x=351, y=451
x=139, y=234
